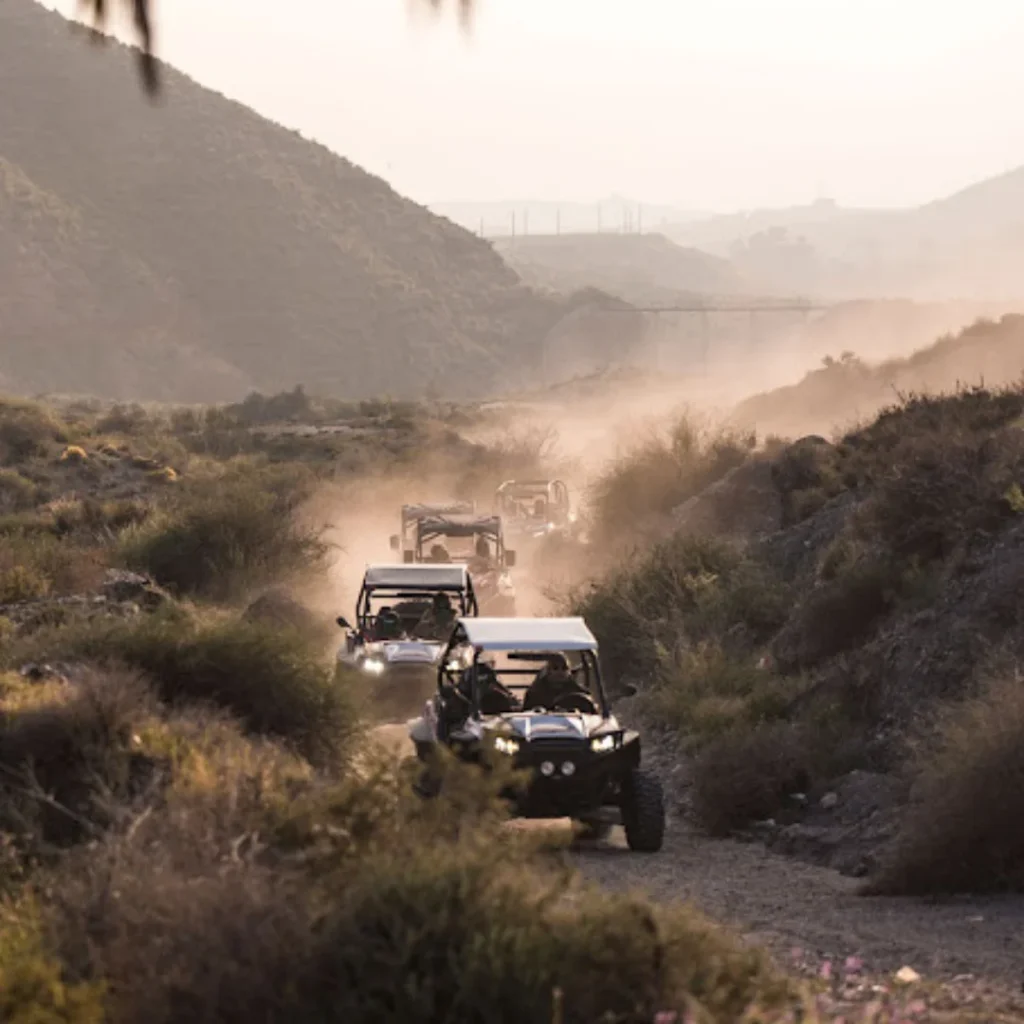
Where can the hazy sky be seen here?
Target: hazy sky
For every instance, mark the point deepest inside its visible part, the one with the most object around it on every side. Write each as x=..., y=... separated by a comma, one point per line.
x=710, y=104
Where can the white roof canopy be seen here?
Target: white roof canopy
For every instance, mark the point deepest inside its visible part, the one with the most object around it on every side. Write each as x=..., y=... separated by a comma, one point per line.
x=417, y=576
x=542, y=635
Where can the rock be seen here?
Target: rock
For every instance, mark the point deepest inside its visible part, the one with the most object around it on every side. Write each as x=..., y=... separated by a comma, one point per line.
x=828, y=801
x=907, y=976
x=130, y=587
x=41, y=672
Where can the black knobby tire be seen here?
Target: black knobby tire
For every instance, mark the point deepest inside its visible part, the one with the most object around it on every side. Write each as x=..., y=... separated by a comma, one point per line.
x=643, y=812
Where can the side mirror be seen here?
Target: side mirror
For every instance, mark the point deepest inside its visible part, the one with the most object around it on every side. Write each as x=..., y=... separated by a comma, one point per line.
x=510, y=558
x=394, y=541
x=408, y=556
x=343, y=622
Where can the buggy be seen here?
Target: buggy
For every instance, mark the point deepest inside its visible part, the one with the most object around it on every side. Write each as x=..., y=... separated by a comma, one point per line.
x=412, y=514
x=534, y=508
x=475, y=541
x=391, y=645
x=583, y=763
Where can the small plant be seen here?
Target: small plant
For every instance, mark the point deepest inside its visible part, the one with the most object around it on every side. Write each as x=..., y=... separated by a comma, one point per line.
x=74, y=453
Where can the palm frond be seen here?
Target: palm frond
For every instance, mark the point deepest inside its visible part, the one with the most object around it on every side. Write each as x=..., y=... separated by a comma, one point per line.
x=141, y=12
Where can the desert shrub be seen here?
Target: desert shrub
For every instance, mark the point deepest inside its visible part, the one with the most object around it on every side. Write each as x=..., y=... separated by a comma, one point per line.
x=944, y=490
x=33, y=989
x=660, y=473
x=17, y=493
x=839, y=614
x=435, y=933
x=275, y=681
x=35, y=563
x=965, y=829
x=26, y=429
x=67, y=755
x=684, y=590
x=704, y=692
x=748, y=773
x=226, y=536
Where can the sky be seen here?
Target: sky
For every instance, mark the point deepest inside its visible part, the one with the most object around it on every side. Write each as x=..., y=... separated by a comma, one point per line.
x=711, y=105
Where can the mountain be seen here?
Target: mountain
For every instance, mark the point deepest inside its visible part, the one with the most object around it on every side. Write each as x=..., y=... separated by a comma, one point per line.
x=194, y=250
x=968, y=246
x=639, y=268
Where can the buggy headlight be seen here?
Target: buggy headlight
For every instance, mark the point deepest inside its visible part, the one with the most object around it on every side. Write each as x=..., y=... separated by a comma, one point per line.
x=504, y=745
x=602, y=744
x=374, y=666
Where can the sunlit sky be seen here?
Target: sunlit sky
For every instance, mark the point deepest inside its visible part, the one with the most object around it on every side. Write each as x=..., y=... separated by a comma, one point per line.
x=717, y=104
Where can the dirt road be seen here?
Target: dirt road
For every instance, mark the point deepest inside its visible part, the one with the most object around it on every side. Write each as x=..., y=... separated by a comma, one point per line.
x=785, y=904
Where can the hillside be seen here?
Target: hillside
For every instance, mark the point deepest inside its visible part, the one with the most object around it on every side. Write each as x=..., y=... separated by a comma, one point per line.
x=969, y=245
x=639, y=268
x=195, y=250
x=849, y=389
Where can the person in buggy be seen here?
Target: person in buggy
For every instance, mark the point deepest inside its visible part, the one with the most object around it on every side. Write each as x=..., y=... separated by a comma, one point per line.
x=438, y=620
x=555, y=687
x=495, y=697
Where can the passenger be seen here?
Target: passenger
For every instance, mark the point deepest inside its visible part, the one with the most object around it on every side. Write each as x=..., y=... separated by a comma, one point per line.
x=439, y=554
x=552, y=685
x=438, y=620
x=495, y=697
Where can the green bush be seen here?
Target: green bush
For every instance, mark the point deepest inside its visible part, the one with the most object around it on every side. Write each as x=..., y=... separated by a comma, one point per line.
x=226, y=536
x=35, y=563
x=275, y=681
x=704, y=692
x=684, y=590
x=965, y=829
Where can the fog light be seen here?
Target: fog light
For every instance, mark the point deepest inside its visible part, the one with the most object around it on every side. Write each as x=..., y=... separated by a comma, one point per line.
x=547, y=768
x=568, y=768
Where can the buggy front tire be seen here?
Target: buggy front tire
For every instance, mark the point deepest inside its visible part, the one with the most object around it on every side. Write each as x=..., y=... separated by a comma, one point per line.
x=643, y=812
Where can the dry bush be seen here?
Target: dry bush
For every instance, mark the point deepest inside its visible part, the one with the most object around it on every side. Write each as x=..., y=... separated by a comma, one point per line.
x=274, y=680
x=684, y=590
x=227, y=536
x=965, y=829
x=705, y=691
x=748, y=773
x=35, y=563
x=68, y=752
x=660, y=473
x=466, y=939
x=17, y=492
x=26, y=430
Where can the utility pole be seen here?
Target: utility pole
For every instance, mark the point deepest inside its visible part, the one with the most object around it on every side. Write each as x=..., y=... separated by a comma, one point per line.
x=639, y=219
x=526, y=221
x=513, y=223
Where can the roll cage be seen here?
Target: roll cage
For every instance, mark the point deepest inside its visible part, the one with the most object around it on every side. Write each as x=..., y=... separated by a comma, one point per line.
x=410, y=590
x=413, y=513
x=430, y=530
x=519, y=643
x=516, y=498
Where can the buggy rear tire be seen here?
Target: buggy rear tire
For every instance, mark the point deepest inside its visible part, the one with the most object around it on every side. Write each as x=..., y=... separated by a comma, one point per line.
x=643, y=812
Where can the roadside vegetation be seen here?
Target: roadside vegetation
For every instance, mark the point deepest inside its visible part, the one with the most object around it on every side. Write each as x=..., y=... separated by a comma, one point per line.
x=192, y=823
x=857, y=632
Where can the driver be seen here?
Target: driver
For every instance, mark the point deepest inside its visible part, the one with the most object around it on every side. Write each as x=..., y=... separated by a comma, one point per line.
x=439, y=554
x=389, y=624
x=438, y=620
x=552, y=684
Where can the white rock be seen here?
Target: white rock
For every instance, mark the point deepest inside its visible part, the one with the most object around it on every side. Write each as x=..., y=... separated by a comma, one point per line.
x=828, y=801
x=907, y=976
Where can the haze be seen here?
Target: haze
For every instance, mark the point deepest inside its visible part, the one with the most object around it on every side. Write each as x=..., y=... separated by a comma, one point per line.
x=735, y=104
